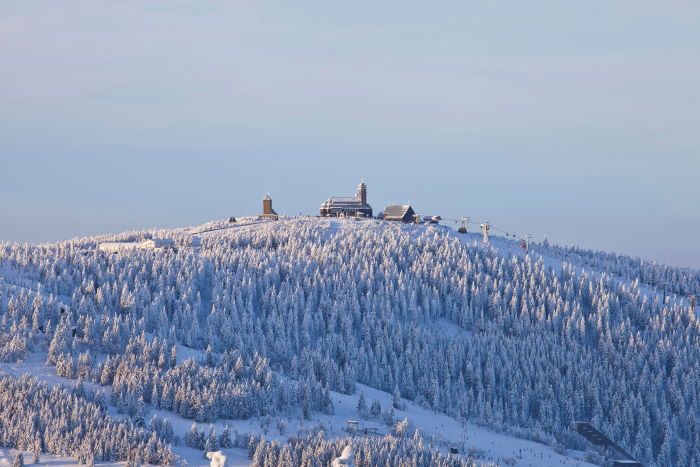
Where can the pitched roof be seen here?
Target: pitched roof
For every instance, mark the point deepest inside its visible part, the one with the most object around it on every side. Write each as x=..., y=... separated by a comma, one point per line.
x=350, y=199
x=396, y=211
x=351, y=202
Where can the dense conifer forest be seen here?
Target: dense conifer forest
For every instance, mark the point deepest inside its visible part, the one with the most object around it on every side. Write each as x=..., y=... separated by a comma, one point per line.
x=285, y=312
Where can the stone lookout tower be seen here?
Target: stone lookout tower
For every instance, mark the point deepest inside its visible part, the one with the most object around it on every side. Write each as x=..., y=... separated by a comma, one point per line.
x=268, y=212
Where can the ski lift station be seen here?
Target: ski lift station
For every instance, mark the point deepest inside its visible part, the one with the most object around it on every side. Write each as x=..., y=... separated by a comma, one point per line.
x=353, y=427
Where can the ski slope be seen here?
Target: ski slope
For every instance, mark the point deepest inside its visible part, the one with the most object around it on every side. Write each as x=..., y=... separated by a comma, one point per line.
x=438, y=430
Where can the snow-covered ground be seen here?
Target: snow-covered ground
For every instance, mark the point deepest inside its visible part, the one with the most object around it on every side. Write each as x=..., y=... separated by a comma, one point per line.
x=438, y=429
x=234, y=458
x=7, y=457
x=552, y=259
x=442, y=431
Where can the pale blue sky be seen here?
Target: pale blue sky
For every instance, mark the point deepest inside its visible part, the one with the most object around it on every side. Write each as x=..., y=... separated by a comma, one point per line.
x=575, y=120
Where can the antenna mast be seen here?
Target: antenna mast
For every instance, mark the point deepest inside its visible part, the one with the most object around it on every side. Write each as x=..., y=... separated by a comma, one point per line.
x=528, y=237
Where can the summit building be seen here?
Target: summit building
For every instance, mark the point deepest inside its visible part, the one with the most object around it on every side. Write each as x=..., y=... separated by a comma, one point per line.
x=350, y=206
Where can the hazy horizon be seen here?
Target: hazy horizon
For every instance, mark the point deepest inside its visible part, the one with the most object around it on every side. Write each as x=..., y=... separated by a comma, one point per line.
x=577, y=121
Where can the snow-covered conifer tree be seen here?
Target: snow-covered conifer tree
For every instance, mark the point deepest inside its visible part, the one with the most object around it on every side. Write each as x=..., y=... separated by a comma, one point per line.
x=362, y=405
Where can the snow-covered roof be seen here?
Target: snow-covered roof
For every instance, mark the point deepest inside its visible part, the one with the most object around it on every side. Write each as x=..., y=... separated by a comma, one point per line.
x=150, y=243
x=397, y=211
x=119, y=244
x=339, y=202
x=346, y=199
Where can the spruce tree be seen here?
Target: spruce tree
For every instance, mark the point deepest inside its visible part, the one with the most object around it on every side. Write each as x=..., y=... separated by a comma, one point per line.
x=225, y=441
x=212, y=443
x=362, y=405
x=37, y=448
x=375, y=409
x=192, y=438
x=252, y=446
x=396, y=398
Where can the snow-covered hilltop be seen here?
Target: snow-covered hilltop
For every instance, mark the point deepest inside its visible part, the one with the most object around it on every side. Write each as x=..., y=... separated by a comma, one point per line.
x=277, y=328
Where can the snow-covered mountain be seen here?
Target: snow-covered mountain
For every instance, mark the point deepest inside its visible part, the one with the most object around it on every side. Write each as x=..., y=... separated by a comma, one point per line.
x=278, y=330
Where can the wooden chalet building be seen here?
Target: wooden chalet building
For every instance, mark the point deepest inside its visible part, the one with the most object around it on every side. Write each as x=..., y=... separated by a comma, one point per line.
x=398, y=213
